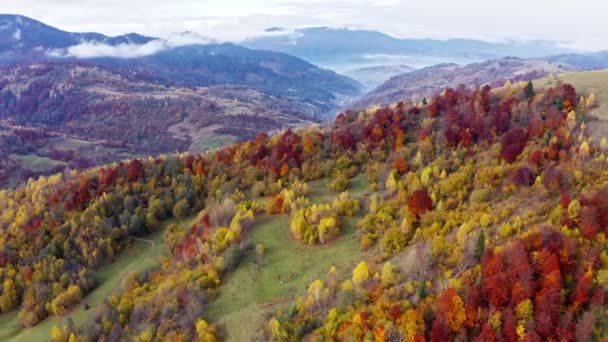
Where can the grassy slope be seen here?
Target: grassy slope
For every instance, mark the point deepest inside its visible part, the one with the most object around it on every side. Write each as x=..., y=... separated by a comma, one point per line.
x=250, y=292
x=595, y=82
x=37, y=163
x=141, y=257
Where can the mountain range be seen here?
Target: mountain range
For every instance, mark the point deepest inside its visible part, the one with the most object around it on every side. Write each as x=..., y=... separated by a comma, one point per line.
x=346, y=49
x=188, y=62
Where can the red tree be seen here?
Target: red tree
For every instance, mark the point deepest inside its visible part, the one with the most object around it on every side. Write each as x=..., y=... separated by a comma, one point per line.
x=420, y=202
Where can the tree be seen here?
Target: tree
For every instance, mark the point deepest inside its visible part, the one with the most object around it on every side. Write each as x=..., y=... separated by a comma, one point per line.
x=480, y=246
x=388, y=276
x=181, y=209
x=393, y=241
x=420, y=202
x=401, y=165
x=204, y=331
x=360, y=273
x=8, y=299
x=135, y=170
x=529, y=90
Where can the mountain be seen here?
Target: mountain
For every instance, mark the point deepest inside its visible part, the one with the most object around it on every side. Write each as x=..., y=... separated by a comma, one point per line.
x=74, y=114
x=275, y=73
x=429, y=81
x=372, y=77
x=346, y=49
x=591, y=61
x=183, y=60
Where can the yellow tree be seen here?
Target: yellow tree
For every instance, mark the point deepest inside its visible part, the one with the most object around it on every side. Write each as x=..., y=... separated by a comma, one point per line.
x=360, y=273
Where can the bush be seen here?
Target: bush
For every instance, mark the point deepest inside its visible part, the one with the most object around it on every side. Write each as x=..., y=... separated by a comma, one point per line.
x=339, y=183
x=366, y=242
x=181, y=209
x=315, y=224
x=393, y=241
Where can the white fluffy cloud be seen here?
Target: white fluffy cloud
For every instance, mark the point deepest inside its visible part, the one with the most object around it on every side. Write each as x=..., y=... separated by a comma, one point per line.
x=95, y=49
x=580, y=24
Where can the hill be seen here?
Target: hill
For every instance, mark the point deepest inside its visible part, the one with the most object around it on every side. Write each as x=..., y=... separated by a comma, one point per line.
x=344, y=49
x=429, y=81
x=371, y=77
x=594, y=86
x=591, y=61
x=78, y=115
x=479, y=215
x=274, y=73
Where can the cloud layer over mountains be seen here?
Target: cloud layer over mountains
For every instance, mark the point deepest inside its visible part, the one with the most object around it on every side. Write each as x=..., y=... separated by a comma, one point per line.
x=89, y=49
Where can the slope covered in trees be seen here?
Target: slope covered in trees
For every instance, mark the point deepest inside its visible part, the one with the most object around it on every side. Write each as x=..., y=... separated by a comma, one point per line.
x=484, y=219
x=81, y=115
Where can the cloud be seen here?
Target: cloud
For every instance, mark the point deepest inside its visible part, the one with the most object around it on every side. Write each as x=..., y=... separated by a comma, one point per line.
x=96, y=49
x=234, y=20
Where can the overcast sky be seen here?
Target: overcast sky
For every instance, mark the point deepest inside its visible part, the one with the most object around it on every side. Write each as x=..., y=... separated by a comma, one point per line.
x=581, y=24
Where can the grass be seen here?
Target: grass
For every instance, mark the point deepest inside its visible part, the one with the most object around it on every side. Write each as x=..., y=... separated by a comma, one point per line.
x=211, y=142
x=288, y=267
x=69, y=144
x=320, y=192
x=142, y=256
x=36, y=163
x=588, y=82
x=251, y=292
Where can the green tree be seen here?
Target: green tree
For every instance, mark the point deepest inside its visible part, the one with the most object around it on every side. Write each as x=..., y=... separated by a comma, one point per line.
x=480, y=247
x=529, y=90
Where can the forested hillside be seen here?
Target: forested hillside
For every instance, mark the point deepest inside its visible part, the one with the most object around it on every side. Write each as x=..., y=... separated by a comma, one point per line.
x=77, y=115
x=480, y=215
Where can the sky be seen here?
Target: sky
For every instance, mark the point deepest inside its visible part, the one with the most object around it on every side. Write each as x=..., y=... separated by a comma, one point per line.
x=579, y=24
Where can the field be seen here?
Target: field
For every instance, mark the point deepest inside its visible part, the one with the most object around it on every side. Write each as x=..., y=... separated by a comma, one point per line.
x=288, y=267
x=36, y=163
x=142, y=256
x=210, y=143
x=595, y=82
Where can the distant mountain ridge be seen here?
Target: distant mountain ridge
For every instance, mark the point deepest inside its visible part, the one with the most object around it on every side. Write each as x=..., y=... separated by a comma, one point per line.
x=591, y=61
x=334, y=47
x=429, y=81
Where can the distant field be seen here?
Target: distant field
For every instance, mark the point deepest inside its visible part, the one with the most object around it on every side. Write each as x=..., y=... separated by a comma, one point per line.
x=211, y=142
x=595, y=82
x=142, y=256
x=37, y=163
x=586, y=83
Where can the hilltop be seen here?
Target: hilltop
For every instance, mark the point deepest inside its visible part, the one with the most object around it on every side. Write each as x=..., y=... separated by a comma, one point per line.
x=429, y=81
